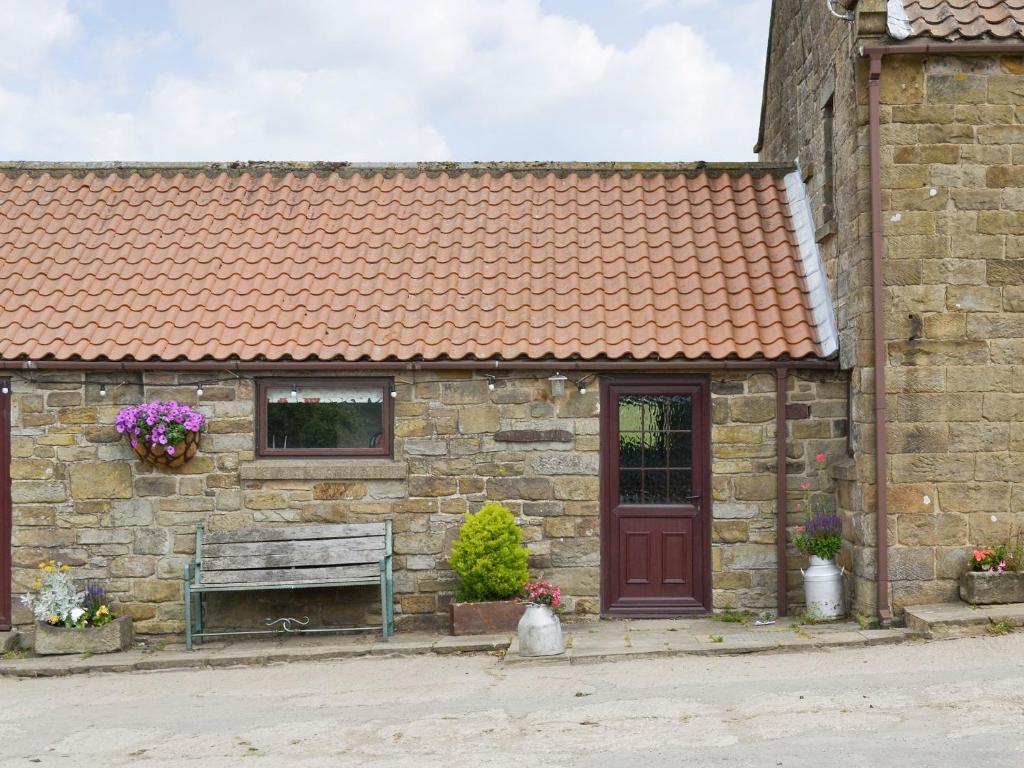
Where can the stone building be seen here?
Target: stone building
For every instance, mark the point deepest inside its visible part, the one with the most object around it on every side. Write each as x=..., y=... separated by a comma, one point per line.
x=656, y=367
x=936, y=88
x=600, y=348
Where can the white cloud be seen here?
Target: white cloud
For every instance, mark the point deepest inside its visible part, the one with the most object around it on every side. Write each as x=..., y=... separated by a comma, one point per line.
x=403, y=80
x=32, y=29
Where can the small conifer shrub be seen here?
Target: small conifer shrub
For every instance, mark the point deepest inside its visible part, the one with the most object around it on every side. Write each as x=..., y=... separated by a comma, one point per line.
x=488, y=556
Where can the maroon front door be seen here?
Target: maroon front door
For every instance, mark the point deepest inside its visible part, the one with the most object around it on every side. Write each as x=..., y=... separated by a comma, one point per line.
x=655, y=496
x=5, y=504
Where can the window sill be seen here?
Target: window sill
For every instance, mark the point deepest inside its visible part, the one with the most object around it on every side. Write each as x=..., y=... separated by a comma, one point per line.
x=324, y=469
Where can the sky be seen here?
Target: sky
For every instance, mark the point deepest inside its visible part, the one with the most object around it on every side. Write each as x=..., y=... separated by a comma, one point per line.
x=381, y=80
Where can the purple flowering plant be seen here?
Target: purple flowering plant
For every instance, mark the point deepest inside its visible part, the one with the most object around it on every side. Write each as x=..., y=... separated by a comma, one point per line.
x=159, y=424
x=822, y=536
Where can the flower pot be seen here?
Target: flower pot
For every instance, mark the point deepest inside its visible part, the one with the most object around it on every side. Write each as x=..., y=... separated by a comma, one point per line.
x=159, y=456
x=115, y=636
x=484, y=618
x=992, y=588
x=823, y=588
x=540, y=632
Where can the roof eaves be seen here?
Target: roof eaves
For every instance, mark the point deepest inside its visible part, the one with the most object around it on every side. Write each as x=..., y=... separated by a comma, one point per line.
x=346, y=169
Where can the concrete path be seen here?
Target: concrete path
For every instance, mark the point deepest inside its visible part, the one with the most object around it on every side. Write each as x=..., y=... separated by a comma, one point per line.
x=955, y=702
x=586, y=643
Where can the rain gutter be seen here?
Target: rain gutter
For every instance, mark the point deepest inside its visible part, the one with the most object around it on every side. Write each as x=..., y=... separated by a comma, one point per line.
x=875, y=54
x=272, y=366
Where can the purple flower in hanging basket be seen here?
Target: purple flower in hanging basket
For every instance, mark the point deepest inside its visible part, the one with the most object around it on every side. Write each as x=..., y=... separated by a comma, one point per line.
x=158, y=424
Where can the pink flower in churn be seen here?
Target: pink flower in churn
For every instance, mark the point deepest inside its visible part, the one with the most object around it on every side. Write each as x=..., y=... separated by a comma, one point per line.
x=805, y=485
x=820, y=458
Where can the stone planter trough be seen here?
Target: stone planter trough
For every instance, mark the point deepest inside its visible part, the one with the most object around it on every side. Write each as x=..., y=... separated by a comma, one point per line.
x=485, y=618
x=988, y=588
x=115, y=636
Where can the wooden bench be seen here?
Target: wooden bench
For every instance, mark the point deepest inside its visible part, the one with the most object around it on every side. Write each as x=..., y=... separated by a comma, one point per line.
x=300, y=557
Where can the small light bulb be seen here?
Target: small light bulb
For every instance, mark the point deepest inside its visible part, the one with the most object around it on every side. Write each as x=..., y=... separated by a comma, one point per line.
x=581, y=385
x=199, y=390
x=491, y=383
x=295, y=391
x=394, y=392
x=103, y=390
x=5, y=390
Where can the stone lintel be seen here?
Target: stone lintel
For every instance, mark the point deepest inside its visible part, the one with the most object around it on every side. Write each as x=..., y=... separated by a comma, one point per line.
x=336, y=469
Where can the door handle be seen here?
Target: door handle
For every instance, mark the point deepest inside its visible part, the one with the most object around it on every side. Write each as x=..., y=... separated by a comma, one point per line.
x=695, y=500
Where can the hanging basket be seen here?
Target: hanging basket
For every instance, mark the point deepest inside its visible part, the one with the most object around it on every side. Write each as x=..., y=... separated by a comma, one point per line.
x=158, y=455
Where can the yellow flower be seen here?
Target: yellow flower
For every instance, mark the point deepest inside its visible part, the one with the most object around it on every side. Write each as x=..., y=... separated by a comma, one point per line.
x=102, y=610
x=48, y=569
x=41, y=565
x=53, y=619
x=37, y=584
x=53, y=562
x=65, y=568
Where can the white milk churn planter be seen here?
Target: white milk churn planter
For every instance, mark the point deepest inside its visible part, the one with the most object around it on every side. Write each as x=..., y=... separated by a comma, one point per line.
x=540, y=630
x=823, y=588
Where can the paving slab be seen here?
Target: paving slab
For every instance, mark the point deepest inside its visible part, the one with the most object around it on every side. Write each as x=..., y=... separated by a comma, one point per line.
x=961, y=619
x=168, y=656
x=611, y=640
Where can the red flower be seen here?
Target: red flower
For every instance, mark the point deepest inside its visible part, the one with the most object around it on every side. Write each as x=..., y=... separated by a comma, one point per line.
x=820, y=458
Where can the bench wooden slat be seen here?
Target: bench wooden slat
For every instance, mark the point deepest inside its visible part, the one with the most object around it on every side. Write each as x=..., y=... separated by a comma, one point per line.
x=366, y=546
x=290, y=575
x=334, y=531
x=299, y=558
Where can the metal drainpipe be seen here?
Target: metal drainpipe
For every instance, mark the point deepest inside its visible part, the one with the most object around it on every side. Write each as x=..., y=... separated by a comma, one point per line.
x=875, y=55
x=780, y=491
x=878, y=331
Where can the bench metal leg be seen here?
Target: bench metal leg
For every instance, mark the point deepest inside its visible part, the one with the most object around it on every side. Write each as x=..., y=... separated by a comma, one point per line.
x=385, y=607
x=188, y=610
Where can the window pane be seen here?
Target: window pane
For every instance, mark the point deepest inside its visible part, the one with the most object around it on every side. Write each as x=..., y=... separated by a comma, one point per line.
x=680, y=450
x=630, y=449
x=655, y=486
x=679, y=410
x=630, y=410
x=679, y=486
x=630, y=490
x=655, y=449
x=325, y=416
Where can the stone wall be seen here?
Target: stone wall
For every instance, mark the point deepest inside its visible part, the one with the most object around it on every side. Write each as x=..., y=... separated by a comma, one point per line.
x=951, y=137
x=744, y=553
x=81, y=496
x=953, y=195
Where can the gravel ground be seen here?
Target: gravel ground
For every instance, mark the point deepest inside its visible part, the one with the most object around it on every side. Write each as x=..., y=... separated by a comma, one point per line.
x=957, y=702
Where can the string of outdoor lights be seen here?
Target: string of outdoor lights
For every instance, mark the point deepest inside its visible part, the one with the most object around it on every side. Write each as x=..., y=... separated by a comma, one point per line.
x=557, y=383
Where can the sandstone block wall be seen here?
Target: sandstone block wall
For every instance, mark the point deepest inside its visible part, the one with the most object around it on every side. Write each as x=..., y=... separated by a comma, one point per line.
x=950, y=141
x=80, y=494
x=953, y=194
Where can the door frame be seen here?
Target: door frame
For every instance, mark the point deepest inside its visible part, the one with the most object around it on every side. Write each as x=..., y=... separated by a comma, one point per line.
x=5, y=504
x=609, y=384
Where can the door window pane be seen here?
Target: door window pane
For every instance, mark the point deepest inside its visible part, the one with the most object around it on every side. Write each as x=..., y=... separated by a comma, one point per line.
x=655, y=486
x=630, y=486
x=631, y=452
x=655, y=449
x=679, y=412
x=680, y=449
x=679, y=486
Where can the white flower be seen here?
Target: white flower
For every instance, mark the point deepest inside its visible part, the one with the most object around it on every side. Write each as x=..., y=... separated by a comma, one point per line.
x=76, y=614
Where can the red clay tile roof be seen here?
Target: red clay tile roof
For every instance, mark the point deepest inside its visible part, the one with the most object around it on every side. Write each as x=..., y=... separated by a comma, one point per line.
x=956, y=19
x=414, y=262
